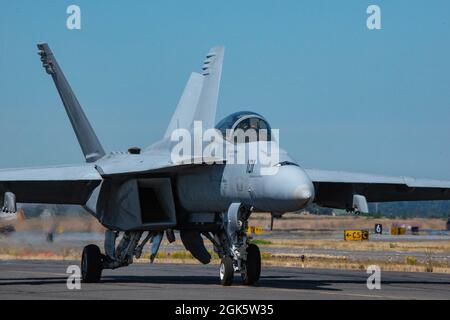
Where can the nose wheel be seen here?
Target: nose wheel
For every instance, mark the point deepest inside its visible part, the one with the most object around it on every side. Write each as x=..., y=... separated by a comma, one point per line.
x=252, y=270
x=226, y=271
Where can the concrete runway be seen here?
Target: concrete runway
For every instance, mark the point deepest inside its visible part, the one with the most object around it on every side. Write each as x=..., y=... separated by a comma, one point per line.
x=20, y=279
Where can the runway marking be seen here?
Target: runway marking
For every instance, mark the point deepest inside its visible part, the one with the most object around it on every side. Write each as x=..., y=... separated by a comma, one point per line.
x=38, y=273
x=333, y=293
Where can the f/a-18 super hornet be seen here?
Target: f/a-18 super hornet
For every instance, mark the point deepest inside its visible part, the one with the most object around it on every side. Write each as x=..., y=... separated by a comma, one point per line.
x=140, y=196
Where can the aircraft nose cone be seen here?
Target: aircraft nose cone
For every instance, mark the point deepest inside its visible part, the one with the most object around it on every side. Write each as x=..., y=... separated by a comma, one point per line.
x=290, y=189
x=303, y=194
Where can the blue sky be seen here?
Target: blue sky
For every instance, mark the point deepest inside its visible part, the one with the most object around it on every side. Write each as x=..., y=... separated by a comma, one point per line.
x=342, y=96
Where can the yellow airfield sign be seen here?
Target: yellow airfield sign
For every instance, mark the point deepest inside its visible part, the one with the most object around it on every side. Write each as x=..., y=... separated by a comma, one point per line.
x=255, y=230
x=356, y=235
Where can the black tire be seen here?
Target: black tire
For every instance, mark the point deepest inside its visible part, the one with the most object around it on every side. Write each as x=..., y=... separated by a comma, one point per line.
x=91, y=264
x=226, y=271
x=252, y=265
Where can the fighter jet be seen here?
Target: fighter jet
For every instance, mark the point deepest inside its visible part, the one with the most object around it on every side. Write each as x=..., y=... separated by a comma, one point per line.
x=141, y=195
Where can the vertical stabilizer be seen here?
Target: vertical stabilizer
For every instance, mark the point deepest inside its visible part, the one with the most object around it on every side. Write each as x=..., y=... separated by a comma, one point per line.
x=89, y=142
x=212, y=71
x=183, y=116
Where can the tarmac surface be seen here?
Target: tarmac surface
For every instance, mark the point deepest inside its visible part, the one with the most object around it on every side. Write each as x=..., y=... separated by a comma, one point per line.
x=37, y=279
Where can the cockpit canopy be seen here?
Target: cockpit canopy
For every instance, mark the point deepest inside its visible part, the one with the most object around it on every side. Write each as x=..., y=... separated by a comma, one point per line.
x=245, y=120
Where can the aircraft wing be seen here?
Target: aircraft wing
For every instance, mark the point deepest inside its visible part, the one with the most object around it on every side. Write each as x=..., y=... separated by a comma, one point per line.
x=74, y=184
x=336, y=188
x=56, y=185
x=143, y=165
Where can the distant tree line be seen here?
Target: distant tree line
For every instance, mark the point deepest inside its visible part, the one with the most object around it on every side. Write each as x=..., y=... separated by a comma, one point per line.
x=423, y=209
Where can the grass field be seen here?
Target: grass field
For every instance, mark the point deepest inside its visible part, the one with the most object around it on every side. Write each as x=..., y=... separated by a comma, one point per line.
x=410, y=264
x=288, y=222
x=278, y=255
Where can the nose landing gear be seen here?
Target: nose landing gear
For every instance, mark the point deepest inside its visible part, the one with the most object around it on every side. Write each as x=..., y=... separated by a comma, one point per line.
x=251, y=268
x=237, y=254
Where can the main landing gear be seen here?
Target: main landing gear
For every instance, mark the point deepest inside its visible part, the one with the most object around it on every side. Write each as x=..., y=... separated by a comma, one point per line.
x=232, y=245
x=91, y=264
x=93, y=261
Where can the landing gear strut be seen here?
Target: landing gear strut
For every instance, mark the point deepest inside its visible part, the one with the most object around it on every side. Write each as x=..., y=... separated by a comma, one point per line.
x=232, y=245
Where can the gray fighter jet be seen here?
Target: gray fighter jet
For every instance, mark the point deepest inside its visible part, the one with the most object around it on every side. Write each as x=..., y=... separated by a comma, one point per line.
x=140, y=196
